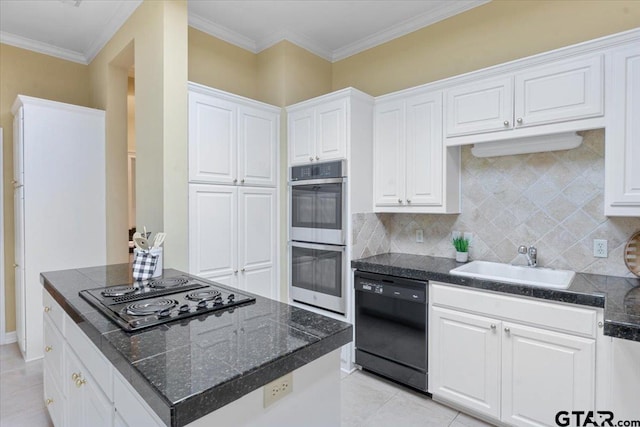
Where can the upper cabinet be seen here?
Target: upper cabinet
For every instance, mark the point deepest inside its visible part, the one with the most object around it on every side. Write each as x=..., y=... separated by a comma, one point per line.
x=559, y=92
x=622, y=155
x=321, y=129
x=413, y=171
x=232, y=140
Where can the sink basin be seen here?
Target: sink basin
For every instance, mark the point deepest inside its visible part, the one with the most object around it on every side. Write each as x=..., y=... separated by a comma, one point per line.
x=540, y=277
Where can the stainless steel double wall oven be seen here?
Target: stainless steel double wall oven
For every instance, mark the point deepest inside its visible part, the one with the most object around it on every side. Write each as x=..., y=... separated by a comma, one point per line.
x=318, y=234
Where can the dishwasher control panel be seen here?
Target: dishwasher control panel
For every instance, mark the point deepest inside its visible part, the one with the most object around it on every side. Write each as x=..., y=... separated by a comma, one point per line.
x=392, y=287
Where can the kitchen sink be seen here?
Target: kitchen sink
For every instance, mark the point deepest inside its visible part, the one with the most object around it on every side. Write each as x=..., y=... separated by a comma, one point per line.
x=530, y=276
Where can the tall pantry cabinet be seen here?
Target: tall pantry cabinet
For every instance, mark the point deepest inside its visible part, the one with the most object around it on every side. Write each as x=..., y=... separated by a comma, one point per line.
x=59, y=202
x=233, y=199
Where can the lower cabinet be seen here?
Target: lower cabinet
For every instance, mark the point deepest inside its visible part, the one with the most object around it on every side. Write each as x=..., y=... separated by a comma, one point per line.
x=81, y=388
x=504, y=367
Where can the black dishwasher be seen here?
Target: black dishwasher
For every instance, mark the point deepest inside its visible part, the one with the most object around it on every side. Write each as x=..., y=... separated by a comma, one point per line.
x=391, y=327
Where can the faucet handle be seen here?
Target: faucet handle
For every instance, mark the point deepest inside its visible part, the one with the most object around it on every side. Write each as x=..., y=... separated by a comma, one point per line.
x=522, y=249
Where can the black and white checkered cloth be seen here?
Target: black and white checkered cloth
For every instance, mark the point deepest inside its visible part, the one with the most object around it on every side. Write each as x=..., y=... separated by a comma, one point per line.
x=144, y=264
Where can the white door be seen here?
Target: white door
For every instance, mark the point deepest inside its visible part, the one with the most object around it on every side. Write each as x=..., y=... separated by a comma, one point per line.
x=301, y=137
x=212, y=140
x=465, y=360
x=622, y=157
x=257, y=240
x=18, y=147
x=257, y=146
x=389, y=154
x=544, y=372
x=331, y=131
x=19, y=267
x=483, y=106
x=424, y=148
x=559, y=92
x=213, y=230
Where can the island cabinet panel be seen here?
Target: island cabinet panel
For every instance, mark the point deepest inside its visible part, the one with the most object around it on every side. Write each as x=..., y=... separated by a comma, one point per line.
x=622, y=156
x=232, y=236
x=232, y=140
x=505, y=366
x=545, y=372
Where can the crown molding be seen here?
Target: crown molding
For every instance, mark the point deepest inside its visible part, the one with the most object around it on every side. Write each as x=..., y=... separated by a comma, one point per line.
x=118, y=19
x=221, y=32
x=445, y=11
x=298, y=40
x=41, y=47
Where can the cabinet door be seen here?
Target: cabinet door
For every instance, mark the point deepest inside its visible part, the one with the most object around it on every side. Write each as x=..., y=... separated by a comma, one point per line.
x=483, y=106
x=622, y=157
x=86, y=404
x=424, y=150
x=20, y=285
x=53, y=398
x=301, y=137
x=212, y=140
x=18, y=147
x=544, y=372
x=213, y=230
x=465, y=360
x=331, y=131
x=389, y=154
x=258, y=146
x=559, y=92
x=257, y=240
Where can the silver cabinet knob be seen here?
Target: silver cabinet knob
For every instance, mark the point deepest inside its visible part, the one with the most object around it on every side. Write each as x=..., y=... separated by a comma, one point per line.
x=235, y=271
x=507, y=330
x=506, y=123
x=493, y=326
x=317, y=158
x=310, y=159
x=408, y=200
x=242, y=181
x=235, y=180
x=519, y=120
x=400, y=201
x=243, y=270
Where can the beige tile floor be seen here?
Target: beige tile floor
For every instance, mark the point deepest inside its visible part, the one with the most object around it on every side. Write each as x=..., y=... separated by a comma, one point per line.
x=367, y=400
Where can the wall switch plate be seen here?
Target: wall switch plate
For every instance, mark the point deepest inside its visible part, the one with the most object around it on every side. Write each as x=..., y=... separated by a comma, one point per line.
x=277, y=389
x=419, y=236
x=600, y=248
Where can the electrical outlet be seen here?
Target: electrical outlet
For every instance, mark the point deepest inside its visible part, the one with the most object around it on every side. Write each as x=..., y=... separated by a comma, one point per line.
x=599, y=248
x=419, y=236
x=277, y=389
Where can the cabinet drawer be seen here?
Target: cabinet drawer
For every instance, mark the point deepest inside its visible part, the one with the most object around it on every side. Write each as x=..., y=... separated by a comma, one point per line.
x=53, y=399
x=53, y=350
x=53, y=310
x=565, y=318
x=97, y=365
x=129, y=406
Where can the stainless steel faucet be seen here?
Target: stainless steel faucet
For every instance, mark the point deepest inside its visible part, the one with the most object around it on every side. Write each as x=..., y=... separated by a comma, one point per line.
x=531, y=253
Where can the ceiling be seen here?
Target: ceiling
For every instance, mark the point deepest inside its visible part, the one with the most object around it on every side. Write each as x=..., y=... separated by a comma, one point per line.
x=77, y=30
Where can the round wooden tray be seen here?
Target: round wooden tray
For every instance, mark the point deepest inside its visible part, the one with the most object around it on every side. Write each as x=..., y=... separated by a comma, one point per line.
x=632, y=254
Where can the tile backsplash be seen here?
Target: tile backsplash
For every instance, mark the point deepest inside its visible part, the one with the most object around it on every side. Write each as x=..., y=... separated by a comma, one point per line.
x=551, y=200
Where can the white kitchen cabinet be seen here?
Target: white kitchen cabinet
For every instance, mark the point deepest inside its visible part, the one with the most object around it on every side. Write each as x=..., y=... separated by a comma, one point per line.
x=622, y=156
x=516, y=360
x=465, y=361
x=232, y=140
x=232, y=236
x=560, y=91
x=59, y=194
x=413, y=172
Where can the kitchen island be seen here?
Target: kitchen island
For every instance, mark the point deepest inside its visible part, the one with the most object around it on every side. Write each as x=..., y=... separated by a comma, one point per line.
x=212, y=366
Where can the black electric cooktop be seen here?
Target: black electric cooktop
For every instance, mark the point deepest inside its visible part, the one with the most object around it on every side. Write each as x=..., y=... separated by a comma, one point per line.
x=138, y=306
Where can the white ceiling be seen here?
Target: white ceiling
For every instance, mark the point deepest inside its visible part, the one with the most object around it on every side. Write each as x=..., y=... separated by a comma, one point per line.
x=76, y=30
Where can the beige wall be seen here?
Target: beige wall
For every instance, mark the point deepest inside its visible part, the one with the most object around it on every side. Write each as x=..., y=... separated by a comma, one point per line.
x=34, y=74
x=491, y=34
x=216, y=63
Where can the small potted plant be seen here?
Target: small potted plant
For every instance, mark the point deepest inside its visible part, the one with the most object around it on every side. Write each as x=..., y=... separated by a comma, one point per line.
x=462, y=248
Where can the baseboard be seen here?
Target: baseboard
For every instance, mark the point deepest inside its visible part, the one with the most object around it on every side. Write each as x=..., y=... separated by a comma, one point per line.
x=9, y=338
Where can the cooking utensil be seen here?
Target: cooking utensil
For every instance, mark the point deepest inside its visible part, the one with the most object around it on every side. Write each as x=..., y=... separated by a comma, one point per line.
x=142, y=243
x=632, y=254
x=159, y=239
x=136, y=235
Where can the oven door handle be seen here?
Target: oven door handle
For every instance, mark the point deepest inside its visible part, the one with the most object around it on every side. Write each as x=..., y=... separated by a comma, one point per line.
x=317, y=181
x=320, y=246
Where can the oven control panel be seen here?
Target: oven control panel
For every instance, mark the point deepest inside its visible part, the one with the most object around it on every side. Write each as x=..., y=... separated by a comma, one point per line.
x=318, y=171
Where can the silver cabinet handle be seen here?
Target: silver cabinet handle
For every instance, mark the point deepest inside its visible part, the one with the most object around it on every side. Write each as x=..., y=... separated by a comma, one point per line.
x=243, y=270
x=506, y=123
x=317, y=158
x=310, y=159
x=519, y=120
x=408, y=200
x=235, y=180
x=235, y=271
x=600, y=324
x=507, y=330
x=400, y=201
x=493, y=326
x=242, y=181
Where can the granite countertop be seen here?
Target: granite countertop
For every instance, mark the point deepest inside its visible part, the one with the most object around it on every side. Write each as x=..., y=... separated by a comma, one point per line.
x=619, y=296
x=186, y=369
